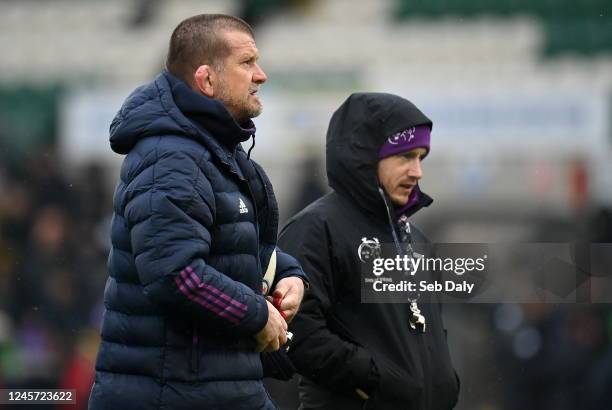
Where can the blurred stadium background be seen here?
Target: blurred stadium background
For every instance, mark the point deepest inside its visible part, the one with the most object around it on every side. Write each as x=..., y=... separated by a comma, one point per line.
x=520, y=95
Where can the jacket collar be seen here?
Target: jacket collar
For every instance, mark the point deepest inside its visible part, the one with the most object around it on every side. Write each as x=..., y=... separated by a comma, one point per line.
x=205, y=119
x=208, y=114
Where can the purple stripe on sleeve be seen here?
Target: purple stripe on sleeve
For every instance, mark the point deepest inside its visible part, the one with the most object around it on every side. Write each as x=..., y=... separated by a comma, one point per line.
x=200, y=301
x=215, y=290
x=210, y=297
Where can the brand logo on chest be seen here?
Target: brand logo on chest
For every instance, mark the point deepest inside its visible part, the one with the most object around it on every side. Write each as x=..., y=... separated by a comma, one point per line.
x=369, y=249
x=242, y=207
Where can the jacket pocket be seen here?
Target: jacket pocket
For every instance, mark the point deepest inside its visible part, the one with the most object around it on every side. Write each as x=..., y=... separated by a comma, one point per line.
x=395, y=384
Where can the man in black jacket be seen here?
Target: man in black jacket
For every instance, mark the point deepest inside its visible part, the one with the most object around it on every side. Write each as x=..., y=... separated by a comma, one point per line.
x=355, y=355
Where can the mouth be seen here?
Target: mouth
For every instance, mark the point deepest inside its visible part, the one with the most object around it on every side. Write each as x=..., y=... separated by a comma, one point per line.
x=254, y=91
x=407, y=187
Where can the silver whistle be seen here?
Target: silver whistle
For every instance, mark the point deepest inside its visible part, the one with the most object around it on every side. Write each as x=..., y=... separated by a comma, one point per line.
x=417, y=319
x=289, y=339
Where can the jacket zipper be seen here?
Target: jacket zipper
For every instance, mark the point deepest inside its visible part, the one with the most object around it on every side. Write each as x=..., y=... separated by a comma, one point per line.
x=259, y=268
x=424, y=366
x=391, y=225
x=195, y=350
x=255, y=212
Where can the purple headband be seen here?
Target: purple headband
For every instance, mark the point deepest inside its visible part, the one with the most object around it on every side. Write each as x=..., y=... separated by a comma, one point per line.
x=410, y=138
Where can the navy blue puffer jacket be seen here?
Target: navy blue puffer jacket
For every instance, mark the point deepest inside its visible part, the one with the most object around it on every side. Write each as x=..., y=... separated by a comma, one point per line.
x=194, y=222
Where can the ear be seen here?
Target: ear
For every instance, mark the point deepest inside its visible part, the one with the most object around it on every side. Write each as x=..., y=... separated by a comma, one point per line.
x=203, y=79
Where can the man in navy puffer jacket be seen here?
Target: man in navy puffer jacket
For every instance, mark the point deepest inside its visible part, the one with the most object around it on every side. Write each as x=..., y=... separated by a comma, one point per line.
x=194, y=227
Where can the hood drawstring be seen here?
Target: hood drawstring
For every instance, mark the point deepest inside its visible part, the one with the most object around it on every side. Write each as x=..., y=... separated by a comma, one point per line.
x=395, y=238
x=417, y=320
x=252, y=146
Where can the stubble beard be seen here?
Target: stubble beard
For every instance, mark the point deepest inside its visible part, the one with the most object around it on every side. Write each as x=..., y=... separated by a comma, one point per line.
x=242, y=109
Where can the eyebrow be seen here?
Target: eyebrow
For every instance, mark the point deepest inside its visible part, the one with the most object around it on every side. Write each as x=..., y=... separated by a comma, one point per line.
x=245, y=49
x=249, y=55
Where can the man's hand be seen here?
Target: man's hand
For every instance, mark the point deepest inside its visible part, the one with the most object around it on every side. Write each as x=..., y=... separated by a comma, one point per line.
x=274, y=334
x=288, y=295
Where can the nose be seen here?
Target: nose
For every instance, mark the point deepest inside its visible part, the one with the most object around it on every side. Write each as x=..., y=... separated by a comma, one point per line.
x=415, y=170
x=259, y=77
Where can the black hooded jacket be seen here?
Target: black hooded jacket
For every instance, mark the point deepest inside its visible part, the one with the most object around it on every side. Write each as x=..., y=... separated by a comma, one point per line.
x=341, y=344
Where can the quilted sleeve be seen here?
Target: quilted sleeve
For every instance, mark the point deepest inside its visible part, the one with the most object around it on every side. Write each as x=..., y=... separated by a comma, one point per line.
x=170, y=219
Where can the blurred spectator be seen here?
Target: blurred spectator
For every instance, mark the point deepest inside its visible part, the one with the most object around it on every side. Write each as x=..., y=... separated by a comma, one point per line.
x=78, y=373
x=52, y=271
x=547, y=357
